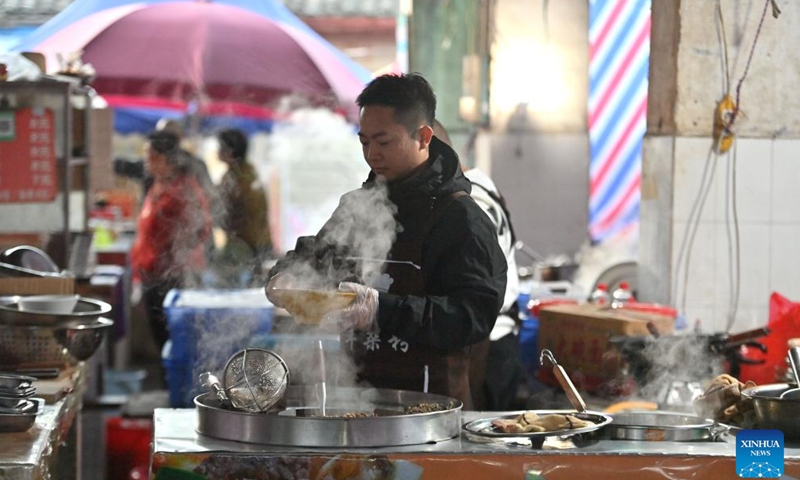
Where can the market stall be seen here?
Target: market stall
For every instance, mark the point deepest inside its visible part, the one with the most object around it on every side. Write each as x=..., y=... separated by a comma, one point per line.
x=178, y=449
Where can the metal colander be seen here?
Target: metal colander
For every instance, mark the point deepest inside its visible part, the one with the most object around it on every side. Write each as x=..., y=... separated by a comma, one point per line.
x=69, y=343
x=255, y=379
x=19, y=345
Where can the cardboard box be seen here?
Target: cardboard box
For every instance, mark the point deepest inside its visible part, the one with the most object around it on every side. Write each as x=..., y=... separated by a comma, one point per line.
x=578, y=337
x=37, y=286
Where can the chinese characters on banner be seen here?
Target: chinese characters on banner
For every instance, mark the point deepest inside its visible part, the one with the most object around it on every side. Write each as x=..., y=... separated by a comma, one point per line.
x=27, y=156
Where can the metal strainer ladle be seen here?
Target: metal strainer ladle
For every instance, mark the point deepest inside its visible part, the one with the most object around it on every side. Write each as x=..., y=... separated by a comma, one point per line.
x=255, y=379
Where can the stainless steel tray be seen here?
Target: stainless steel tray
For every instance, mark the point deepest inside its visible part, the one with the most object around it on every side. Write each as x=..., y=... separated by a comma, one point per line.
x=11, y=422
x=12, y=402
x=21, y=394
x=483, y=426
x=300, y=425
x=86, y=311
x=661, y=426
x=14, y=271
x=12, y=381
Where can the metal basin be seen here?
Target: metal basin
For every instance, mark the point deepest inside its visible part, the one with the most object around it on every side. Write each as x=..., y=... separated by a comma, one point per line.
x=300, y=424
x=86, y=310
x=773, y=412
x=69, y=342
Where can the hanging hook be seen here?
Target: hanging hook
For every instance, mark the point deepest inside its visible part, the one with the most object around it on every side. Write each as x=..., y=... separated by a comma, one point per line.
x=547, y=355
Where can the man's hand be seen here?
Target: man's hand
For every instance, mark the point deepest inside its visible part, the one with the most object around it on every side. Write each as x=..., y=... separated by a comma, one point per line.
x=359, y=315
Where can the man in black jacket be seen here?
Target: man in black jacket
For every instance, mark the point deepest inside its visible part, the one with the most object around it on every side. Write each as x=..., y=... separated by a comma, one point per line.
x=415, y=248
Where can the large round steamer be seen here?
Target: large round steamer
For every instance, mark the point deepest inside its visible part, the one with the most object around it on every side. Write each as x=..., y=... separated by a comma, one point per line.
x=300, y=423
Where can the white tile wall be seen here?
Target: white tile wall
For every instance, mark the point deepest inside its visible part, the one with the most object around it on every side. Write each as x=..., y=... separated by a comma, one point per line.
x=786, y=181
x=754, y=267
x=700, y=289
x=752, y=160
x=691, y=158
x=768, y=203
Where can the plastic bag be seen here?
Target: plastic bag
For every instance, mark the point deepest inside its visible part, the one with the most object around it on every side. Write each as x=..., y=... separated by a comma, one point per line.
x=784, y=323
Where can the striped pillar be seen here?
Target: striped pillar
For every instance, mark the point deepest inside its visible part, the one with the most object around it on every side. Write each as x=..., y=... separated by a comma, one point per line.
x=619, y=52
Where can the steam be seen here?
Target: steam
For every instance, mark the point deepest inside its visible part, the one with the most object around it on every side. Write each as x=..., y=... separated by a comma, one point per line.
x=366, y=227
x=677, y=359
x=191, y=230
x=313, y=159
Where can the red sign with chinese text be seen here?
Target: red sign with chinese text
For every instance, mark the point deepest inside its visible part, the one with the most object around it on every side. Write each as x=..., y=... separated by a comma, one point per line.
x=27, y=156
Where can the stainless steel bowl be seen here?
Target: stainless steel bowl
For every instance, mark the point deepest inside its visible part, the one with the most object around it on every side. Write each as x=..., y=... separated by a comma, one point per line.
x=774, y=412
x=11, y=381
x=21, y=422
x=86, y=310
x=70, y=342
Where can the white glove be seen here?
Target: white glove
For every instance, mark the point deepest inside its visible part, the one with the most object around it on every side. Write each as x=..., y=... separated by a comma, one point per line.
x=359, y=315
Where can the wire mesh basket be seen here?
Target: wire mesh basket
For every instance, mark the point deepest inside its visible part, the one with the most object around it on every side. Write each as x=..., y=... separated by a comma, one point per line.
x=255, y=379
x=68, y=344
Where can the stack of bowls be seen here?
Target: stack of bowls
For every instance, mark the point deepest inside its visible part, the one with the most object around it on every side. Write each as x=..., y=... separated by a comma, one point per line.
x=18, y=408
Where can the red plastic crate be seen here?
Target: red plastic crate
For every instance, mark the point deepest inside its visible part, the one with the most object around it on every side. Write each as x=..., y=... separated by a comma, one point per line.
x=127, y=445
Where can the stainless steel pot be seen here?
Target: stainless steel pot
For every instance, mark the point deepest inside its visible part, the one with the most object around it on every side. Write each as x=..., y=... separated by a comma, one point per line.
x=774, y=412
x=301, y=423
x=660, y=426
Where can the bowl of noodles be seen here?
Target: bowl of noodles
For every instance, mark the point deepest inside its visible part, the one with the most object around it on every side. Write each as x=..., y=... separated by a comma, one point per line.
x=310, y=306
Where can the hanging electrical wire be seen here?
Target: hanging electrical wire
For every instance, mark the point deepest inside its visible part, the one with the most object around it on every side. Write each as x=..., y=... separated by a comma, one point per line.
x=723, y=138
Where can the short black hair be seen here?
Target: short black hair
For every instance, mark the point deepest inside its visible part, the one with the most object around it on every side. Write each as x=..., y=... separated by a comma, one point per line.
x=234, y=140
x=169, y=145
x=164, y=142
x=409, y=94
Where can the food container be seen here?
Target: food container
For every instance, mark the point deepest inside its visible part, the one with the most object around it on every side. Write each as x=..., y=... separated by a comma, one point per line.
x=660, y=427
x=302, y=424
x=311, y=306
x=21, y=422
x=773, y=412
x=60, y=304
x=483, y=427
x=85, y=310
x=10, y=381
x=22, y=407
x=18, y=393
x=11, y=402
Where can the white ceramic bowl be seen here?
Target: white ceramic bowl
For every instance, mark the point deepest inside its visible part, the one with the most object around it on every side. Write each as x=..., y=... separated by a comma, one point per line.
x=48, y=303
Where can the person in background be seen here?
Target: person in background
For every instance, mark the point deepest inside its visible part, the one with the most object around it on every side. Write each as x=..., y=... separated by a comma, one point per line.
x=437, y=296
x=500, y=387
x=197, y=166
x=244, y=203
x=173, y=226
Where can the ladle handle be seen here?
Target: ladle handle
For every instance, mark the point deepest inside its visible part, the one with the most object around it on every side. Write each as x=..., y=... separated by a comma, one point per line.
x=794, y=359
x=572, y=393
x=546, y=356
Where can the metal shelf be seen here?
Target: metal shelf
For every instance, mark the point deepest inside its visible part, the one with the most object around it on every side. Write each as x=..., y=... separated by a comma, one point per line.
x=59, y=95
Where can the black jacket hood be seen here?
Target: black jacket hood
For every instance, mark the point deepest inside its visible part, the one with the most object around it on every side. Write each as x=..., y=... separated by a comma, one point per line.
x=439, y=176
